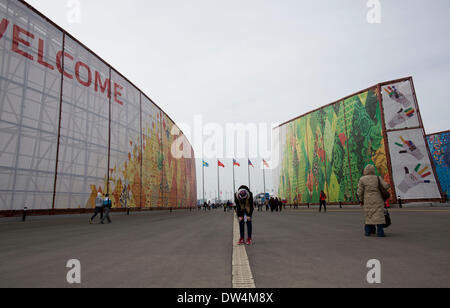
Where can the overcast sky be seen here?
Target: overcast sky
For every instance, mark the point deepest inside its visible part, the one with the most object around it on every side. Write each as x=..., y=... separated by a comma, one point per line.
x=265, y=61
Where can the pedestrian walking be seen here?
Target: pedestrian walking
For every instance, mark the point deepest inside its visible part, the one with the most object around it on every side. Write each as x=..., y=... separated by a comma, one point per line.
x=244, y=212
x=107, y=205
x=372, y=201
x=323, y=201
x=98, y=208
x=272, y=204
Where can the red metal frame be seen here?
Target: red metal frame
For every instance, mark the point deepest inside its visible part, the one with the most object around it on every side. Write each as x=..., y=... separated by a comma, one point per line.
x=438, y=133
x=426, y=142
x=59, y=125
x=386, y=144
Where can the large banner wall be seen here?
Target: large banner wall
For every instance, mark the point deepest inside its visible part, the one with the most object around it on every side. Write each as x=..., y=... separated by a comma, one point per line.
x=328, y=149
x=71, y=127
x=439, y=145
x=413, y=174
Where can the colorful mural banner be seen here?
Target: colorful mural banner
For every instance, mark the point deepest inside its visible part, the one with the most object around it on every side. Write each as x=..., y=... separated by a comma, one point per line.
x=71, y=127
x=439, y=145
x=328, y=150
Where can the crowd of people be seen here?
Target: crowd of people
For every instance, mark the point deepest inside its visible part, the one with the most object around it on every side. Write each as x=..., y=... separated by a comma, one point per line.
x=372, y=191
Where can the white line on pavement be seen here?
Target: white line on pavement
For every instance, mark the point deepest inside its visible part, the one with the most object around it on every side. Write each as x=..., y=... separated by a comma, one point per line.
x=242, y=273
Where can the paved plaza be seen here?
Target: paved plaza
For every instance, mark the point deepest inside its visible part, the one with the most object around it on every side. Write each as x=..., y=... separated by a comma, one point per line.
x=183, y=249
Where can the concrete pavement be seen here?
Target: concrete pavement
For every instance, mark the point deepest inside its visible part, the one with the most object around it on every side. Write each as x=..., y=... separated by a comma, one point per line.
x=306, y=249
x=155, y=249
x=295, y=248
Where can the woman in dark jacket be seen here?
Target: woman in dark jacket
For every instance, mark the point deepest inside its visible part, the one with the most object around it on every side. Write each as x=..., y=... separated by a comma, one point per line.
x=244, y=207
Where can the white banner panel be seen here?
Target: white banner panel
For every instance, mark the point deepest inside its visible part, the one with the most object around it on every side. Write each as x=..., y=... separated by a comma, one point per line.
x=42, y=86
x=29, y=107
x=151, y=154
x=411, y=167
x=83, y=153
x=400, y=109
x=125, y=165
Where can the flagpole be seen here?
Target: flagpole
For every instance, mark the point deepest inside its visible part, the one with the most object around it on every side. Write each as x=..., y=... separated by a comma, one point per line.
x=264, y=179
x=218, y=182
x=203, y=181
x=248, y=167
x=234, y=183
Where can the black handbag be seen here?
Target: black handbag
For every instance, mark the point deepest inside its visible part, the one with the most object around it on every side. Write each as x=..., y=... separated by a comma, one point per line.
x=384, y=192
x=387, y=216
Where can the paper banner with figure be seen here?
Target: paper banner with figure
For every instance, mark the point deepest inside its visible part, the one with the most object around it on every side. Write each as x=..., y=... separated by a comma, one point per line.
x=400, y=109
x=411, y=167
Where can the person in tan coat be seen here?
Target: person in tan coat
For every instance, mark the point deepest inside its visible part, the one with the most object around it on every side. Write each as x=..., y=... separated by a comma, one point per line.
x=370, y=196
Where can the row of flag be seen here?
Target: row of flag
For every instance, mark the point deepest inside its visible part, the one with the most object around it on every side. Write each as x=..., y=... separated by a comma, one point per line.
x=235, y=163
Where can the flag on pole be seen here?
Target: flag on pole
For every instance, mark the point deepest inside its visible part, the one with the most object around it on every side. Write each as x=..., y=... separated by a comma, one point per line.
x=235, y=163
x=250, y=163
x=265, y=163
x=205, y=164
x=219, y=163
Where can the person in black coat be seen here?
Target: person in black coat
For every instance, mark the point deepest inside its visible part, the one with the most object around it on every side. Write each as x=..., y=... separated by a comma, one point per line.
x=244, y=209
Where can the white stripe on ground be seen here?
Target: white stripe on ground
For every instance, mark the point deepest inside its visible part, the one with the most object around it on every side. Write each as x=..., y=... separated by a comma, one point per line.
x=242, y=273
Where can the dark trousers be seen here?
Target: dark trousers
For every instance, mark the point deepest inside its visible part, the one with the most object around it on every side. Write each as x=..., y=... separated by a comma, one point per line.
x=324, y=203
x=98, y=210
x=249, y=224
x=107, y=210
x=371, y=229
